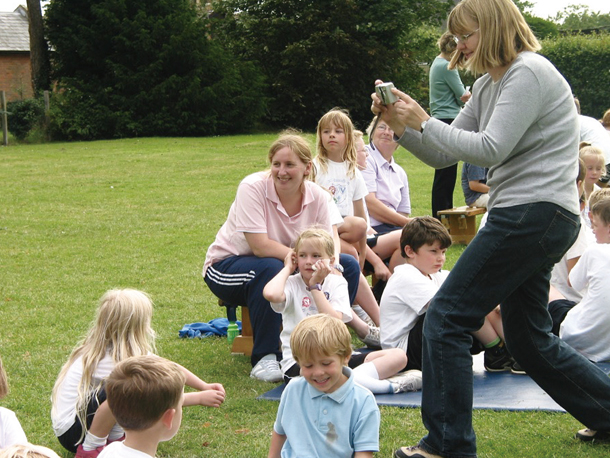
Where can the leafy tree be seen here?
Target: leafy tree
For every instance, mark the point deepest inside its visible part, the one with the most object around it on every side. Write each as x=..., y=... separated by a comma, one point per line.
x=317, y=54
x=579, y=17
x=145, y=67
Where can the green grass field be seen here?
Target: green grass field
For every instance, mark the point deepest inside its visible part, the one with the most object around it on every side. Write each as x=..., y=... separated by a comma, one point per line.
x=77, y=219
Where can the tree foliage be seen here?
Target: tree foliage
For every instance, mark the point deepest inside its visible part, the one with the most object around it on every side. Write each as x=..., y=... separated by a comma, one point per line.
x=143, y=68
x=317, y=54
x=580, y=17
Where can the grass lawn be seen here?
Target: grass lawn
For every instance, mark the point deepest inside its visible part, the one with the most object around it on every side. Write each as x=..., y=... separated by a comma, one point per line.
x=77, y=219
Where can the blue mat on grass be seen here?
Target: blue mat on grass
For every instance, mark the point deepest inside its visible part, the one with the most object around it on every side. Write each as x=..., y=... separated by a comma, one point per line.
x=492, y=390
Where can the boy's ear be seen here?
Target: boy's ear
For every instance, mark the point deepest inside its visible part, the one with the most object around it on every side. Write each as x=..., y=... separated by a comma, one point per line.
x=168, y=418
x=332, y=261
x=409, y=251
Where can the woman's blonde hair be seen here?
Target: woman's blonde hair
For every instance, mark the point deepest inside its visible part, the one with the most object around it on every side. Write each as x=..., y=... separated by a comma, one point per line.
x=122, y=328
x=340, y=118
x=503, y=33
x=3, y=381
x=294, y=140
x=325, y=240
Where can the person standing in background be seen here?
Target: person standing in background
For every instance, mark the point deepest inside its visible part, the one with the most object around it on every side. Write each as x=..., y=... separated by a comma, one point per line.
x=447, y=96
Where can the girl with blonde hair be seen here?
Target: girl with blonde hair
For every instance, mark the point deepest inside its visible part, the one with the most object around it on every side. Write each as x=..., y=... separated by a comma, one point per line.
x=11, y=431
x=522, y=123
x=82, y=420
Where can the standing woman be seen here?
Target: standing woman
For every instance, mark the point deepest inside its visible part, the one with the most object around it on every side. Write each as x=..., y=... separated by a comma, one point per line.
x=521, y=122
x=447, y=96
x=270, y=210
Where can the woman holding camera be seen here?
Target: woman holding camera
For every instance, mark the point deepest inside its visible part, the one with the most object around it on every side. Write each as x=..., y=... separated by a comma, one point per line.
x=521, y=122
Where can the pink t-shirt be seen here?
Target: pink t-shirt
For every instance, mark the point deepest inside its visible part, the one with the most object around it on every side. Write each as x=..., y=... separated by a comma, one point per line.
x=257, y=209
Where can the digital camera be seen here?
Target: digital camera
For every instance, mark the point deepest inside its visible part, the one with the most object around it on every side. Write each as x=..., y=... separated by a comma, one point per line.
x=384, y=92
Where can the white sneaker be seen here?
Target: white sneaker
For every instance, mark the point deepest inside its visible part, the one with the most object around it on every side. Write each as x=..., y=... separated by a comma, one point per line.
x=406, y=381
x=267, y=370
x=362, y=315
x=372, y=340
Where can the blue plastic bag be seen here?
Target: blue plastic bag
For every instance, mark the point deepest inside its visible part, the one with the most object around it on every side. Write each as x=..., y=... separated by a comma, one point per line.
x=216, y=327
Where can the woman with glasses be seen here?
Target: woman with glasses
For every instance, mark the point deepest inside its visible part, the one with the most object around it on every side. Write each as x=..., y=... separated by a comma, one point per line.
x=521, y=122
x=447, y=96
x=388, y=202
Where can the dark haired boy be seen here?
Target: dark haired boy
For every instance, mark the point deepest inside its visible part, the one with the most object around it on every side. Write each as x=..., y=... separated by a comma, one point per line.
x=424, y=242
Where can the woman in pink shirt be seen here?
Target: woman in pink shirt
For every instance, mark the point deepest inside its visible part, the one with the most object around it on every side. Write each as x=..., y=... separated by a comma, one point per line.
x=270, y=209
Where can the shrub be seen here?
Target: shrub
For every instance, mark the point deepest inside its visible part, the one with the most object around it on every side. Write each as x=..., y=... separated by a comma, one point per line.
x=24, y=115
x=584, y=60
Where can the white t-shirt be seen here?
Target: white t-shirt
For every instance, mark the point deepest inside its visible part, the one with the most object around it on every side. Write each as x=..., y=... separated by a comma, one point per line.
x=559, y=275
x=299, y=304
x=63, y=413
x=11, y=432
x=587, y=326
x=345, y=190
x=405, y=298
x=120, y=450
x=592, y=131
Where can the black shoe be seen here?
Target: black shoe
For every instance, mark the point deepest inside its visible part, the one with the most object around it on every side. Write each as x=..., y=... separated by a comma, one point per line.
x=515, y=368
x=497, y=358
x=590, y=435
x=414, y=452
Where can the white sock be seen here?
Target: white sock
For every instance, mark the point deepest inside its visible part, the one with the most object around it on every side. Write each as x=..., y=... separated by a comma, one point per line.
x=92, y=442
x=366, y=375
x=116, y=433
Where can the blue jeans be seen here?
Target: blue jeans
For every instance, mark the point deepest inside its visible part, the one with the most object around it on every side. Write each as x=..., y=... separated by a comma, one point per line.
x=240, y=280
x=508, y=263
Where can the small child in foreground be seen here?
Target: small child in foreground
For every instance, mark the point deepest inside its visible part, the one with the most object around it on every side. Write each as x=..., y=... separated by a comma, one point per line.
x=11, y=431
x=324, y=413
x=145, y=395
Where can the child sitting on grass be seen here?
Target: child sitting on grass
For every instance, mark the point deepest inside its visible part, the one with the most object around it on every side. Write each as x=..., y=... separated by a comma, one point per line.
x=81, y=418
x=404, y=303
x=324, y=413
x=11, y=431
x=145, y=395
x=311, y=291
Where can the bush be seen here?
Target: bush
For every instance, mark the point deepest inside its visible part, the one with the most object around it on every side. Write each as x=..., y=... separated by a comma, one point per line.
x=24, y=115
x=584, y=60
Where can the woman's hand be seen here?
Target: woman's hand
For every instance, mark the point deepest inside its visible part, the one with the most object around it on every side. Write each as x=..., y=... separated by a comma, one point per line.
x=405, y=112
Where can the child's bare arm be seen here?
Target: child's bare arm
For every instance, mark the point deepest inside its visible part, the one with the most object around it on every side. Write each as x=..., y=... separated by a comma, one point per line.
x=477, y=186
x=363, y=455
x=274, y=291
x=277, y=442
x=209, y=398
x=322, y=269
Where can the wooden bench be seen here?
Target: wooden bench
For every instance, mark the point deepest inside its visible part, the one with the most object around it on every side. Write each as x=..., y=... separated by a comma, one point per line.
x=461, y=222
x=243, y=343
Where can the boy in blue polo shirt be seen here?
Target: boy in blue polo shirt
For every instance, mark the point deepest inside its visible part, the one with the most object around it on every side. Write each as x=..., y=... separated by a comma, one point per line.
x=324, y=413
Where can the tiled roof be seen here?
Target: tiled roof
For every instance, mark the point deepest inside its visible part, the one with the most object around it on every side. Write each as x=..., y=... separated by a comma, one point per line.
x=14, y=33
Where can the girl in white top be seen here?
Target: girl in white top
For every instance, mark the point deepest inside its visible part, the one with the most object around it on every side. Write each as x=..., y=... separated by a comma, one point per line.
x=121, y=329
x=11, y=431
x=311, y=291
x=337, y=171
x=594, y=160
